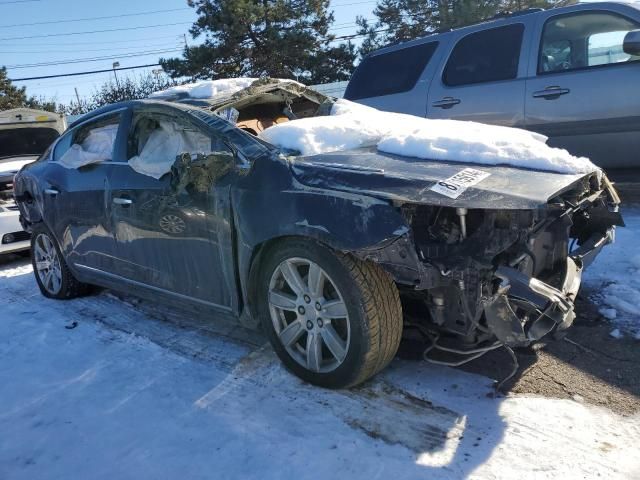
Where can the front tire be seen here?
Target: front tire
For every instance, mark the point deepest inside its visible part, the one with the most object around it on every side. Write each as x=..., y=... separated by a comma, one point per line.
x=53, y=276
x=332, y=319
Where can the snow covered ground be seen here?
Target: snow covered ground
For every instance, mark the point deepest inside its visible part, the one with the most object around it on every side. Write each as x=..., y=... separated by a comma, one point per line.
x=140, y=391
x=613, y=281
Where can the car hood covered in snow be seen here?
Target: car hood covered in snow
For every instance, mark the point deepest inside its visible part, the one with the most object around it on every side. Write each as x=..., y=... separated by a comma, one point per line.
x=405, y=179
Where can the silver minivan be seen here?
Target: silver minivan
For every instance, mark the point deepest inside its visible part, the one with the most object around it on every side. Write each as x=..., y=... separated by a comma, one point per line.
x=570, y=73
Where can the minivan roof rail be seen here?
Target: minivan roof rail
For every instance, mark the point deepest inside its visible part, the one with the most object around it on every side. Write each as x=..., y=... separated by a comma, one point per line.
x=517, y=13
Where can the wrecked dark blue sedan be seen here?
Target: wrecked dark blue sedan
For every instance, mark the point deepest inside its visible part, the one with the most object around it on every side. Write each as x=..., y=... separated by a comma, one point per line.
x=335, y=254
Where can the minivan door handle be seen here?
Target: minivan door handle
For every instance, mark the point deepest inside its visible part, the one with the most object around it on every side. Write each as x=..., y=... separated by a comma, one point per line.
x=122, y=201
x=446, y=102
x=551, y=93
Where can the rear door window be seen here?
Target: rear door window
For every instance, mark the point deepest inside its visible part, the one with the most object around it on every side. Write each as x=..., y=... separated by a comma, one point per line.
x=584, y=40
x=93, y=142
x=486, y=56
x=389, y=73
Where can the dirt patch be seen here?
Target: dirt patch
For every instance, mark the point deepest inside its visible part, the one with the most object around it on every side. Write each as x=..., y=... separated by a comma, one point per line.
x=397, y=417
x=588, y=365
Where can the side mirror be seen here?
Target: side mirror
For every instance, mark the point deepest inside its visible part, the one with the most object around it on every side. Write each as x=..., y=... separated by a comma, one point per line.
x=631, y=43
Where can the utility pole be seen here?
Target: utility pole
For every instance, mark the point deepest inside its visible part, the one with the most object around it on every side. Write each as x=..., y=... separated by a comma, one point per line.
x=186, y=45
x=77, y=96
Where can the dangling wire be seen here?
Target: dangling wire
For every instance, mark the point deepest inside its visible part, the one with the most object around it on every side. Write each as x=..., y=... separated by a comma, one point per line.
x=470, y=354
x=514, y=370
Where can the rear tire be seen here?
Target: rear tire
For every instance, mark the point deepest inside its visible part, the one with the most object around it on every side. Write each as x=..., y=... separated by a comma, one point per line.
x=53, y=276
x=340, y=325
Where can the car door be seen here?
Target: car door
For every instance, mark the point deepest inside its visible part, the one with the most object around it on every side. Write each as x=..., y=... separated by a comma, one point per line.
x=583, y=89
x=482, y=79
x=172, y=224
x=75, y=195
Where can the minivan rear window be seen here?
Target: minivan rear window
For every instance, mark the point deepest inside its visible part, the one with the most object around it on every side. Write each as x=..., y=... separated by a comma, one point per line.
x=485, y=56
x=389, y=73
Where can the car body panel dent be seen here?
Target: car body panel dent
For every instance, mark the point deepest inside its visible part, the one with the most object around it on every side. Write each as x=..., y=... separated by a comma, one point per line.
x=403, y=179
x=269, y=204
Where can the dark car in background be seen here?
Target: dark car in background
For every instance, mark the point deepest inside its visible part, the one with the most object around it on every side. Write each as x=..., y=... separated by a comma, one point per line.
x=333, y=253
x=570, y=73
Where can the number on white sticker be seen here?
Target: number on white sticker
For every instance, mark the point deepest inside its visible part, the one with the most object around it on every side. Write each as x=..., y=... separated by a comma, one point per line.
x=453, y=186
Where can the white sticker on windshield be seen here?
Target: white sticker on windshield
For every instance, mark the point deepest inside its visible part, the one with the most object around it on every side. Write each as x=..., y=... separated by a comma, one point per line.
x=453, y=186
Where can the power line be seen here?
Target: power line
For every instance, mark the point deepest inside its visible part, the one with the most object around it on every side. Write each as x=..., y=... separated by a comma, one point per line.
x=76, y=50
x=87, y=19
x=96, y=31
x=18, y=1
x=75, y=74
x=84, y=42
x=350, y=4
x=91, y=59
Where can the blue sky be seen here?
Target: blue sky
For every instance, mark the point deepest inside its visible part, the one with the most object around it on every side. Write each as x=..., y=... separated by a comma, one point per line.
x=51, y=40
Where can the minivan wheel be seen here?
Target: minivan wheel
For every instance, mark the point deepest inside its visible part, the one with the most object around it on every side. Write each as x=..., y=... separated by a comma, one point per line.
x=333, y=319
x=53, y=276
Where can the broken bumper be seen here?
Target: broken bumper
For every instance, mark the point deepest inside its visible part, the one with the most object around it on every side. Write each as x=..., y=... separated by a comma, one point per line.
x=525, y=309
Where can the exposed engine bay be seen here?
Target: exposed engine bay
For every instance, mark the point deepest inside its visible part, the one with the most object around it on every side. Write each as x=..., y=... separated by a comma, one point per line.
x=6, y=192
x=497, y=278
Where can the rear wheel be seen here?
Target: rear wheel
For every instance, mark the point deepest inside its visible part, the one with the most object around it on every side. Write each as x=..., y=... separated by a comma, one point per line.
x=333, y=319
x=53, y=276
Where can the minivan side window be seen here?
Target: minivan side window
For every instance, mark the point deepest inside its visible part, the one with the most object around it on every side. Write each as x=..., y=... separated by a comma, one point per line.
x=584, y=40
x=486, y=56
x=388, y=73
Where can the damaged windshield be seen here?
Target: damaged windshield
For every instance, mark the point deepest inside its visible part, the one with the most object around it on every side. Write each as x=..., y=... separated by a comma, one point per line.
x=26, y=141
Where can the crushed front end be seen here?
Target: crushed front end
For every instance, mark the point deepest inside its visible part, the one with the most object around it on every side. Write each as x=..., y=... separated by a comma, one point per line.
x=500, y=276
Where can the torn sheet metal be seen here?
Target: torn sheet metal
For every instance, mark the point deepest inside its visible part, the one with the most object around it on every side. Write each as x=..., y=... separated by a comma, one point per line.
x=199, y=172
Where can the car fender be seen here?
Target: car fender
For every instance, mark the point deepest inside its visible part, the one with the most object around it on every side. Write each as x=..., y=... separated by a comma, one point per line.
x=284, y=207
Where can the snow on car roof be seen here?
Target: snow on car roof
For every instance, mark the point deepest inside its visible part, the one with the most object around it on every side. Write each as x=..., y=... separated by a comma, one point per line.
x=352, y=125
x=204, y=89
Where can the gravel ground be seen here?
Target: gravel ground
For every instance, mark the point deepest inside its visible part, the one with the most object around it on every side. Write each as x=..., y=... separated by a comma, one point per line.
x=587, y=365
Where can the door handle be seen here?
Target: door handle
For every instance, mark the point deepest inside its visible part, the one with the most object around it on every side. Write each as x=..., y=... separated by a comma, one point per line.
x=51, y=191
x=551, y=93
x=446, y=102
x=122, y=201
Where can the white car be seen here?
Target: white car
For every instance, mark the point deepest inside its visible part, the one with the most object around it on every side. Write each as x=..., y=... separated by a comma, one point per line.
x=24, y=135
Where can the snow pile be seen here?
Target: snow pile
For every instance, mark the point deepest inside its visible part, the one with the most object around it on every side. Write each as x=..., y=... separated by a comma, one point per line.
x=97, y=147
x=352, y=125
x=207, y=88
x=613, y=280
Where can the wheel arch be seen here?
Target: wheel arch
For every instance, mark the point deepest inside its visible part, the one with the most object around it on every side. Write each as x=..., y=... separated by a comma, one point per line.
x=277, y=208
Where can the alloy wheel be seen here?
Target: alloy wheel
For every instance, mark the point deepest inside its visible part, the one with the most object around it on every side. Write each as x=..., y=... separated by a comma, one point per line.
x=172, y=224
x=309, y=315
x=47, y=264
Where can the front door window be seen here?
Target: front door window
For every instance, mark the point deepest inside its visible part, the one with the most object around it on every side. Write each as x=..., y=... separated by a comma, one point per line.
x=584, y=40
